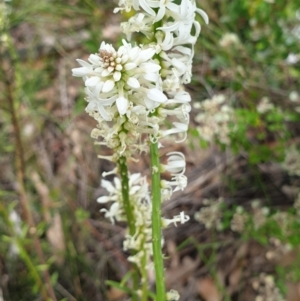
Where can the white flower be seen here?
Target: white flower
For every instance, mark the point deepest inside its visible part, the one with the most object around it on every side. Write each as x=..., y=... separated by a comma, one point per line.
x=178, y=128
x=114, y=76
x=114, y=213
x=210, y=215
x=179, y=181
x=292, y=59
x=180, y=97
x=184, y=18
x=97, y=104
x=294, y=96
x=138, y=193
x=264, y=105
x=172, y=295
x=229, y=39
x=180, y=65
x=182, y=113
x=215, y=119
x=181, y=218
x=175, y=163
x=139, y=23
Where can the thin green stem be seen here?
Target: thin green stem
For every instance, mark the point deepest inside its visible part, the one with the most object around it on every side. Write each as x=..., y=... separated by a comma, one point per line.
x=122, y=162
x=156, y=224
x=144, y=296
x=125, y=194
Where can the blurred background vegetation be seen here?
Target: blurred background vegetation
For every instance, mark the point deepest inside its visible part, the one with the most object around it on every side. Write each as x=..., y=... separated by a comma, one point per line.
x=243, y=155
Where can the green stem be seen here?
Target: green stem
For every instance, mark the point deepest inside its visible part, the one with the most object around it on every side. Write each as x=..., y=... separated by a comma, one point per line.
x=122, y=162
x=156, y=224
x=125, y=194
x=144, y=296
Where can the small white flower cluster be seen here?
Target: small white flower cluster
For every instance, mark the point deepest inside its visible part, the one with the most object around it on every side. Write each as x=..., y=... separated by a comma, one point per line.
x=258, y=217
x=297, y=206
x=171, y=26
x=266, y=288
x=176, y=167
x=284, y=220
x=211, y=214
x=228, y=40
x=279, y=249
x=122, y=89
x=215, y=119
x=265, y=106
x=140, y=242
x=239, y=220
x=140, y=200
x=294, y=97
x=291, y=161
x=172, y=295
x=131, y=91
x=259, y=214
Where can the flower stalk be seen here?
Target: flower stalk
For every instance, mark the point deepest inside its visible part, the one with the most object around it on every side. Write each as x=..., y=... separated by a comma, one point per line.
x=156, y=224
x=131, y=92
x=123, y=171
x=122, y=162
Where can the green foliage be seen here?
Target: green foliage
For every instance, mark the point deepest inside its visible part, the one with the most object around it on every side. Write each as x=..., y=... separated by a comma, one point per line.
x=250, y=65
x=245, y=72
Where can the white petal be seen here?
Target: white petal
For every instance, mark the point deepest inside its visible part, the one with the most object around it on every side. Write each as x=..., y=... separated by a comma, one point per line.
x=122, y=105
x=108, y=186
x=170, y=27
x=130, y=66
x=103, y=199
x=197, y=28
x=133, y=178
x=184, y=50
x=134, y=52
x=81, y=71
x=156, y=95
x=183, y=96
x=124, y=58
x=105, y=72
x=108, y=86
x=133, y=83
x=98, y=88
x=161, y=12
x=103, y=113
x=147, y=8
x=173, y=7
x=117, y=76
x=150, y=67
x=94, y=59
x=168, y=41
x=179, y=64
x=92, y=81
x=181, y=126
x=84, y=63
x=146, y=55
x=203, y=15
x=151, y=77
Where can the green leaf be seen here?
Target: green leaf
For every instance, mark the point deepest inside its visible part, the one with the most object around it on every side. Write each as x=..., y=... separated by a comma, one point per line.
x=117, y=285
